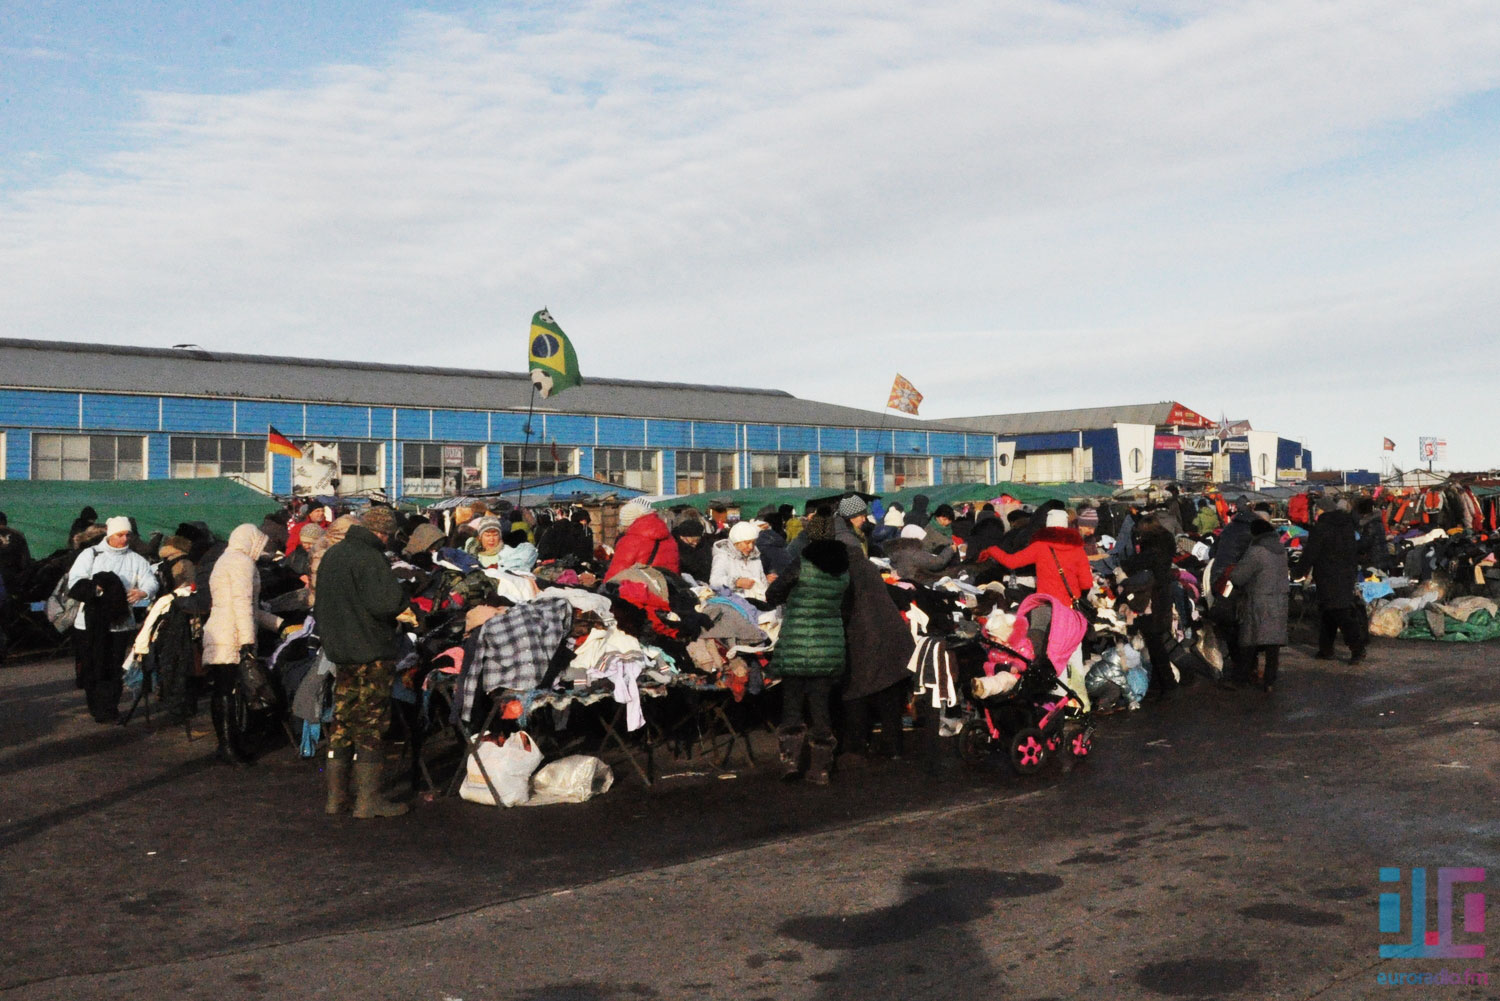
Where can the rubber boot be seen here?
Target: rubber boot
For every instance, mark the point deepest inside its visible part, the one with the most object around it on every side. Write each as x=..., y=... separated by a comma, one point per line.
x=790, y=741
x=821, y=760
x=368, y=802
x=336, y=771
x=228, y=751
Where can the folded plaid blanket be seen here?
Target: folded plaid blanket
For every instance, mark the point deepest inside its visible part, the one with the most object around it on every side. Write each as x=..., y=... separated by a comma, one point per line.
x=514, y=650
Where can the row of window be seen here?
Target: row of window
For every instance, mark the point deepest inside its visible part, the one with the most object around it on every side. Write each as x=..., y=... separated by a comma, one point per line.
x=443, y=470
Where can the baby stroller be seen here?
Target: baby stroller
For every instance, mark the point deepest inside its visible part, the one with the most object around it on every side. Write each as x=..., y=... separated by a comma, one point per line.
x=1033, y=720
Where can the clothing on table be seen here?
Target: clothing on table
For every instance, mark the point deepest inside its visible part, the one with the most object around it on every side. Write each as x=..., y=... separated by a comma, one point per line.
x=935, y=671
x=513, y=650
x=622, y=670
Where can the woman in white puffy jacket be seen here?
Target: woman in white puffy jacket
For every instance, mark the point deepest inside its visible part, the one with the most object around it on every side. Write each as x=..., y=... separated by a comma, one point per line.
x=737, y=565
x=235, y=589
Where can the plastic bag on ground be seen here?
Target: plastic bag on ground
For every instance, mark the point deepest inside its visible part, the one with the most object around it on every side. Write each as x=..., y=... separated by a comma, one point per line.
x=574, y=779
x=509, y=766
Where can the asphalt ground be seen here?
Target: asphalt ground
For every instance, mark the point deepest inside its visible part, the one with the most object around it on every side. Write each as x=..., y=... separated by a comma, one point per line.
x=1226, y=844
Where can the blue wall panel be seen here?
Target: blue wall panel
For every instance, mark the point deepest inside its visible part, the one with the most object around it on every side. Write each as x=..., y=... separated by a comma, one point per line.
x=761, y=438
x=1106, y=446
x=494, y=468
x=158, y=456
x=668, y=470
x=380, y=422
x=30, y=408
x=197, y=416
x=1287, y=453
x=281, y=474
x=414, y=425
x=510, y=428
x=1306, y=459
x=621, y=432
x=253, y=417
x=715, y=436
x=668, y=434
x=559, y=427
x=120, y=413
x=814, y=471
x=585, y=461
x=1239, y=467
x=909, y=442
x=18, y=455
x=875, y=442
x=979, y=446
x=946, y=444
x=1164, y=464
x=329, y=421
x=838, y=440
x=799, y=439
x=462, y=425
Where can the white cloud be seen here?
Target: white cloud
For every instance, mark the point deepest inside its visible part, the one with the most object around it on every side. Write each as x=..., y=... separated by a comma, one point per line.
x=1254, y=207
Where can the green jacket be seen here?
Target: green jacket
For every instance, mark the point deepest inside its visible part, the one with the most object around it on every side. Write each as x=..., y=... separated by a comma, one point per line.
x=358, y=600
x=811, y=644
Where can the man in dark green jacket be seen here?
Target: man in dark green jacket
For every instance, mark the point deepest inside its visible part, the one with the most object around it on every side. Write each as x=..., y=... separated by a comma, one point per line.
x=358, y=601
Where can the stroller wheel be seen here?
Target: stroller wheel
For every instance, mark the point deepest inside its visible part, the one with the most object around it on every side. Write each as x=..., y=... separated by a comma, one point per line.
x=1028, y=751
x=1082, y=743
x=974, y=743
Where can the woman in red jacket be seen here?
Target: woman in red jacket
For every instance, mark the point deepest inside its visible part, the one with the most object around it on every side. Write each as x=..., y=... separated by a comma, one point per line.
x=1062, y=566
x=646, y=541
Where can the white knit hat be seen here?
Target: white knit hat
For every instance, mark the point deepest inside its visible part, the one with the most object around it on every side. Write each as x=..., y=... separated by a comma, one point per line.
x=631, y=510
x=914, y=532
x=119, y=523
x=1057, y=518
x=744, y=531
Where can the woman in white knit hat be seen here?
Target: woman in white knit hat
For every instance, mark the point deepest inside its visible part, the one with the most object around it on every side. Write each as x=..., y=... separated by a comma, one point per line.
x=737, y=565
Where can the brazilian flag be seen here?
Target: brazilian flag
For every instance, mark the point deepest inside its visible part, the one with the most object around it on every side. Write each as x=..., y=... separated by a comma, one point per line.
x=554, y=366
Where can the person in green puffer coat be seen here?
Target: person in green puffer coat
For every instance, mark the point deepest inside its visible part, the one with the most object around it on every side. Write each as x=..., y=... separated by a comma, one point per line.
x=809, y=656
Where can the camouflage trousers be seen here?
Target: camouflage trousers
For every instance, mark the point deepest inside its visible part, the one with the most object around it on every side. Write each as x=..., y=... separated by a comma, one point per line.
x=361, y=706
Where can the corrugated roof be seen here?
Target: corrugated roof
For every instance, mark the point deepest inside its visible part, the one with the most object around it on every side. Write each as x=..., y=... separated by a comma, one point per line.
x=1082, y=419
x=196, y=372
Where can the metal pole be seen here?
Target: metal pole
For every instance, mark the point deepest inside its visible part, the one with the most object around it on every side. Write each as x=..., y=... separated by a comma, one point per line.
x=526, y=429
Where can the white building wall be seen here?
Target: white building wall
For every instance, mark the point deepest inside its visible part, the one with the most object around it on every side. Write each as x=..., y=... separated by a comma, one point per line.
x=1263, y=458
x=1135, y=438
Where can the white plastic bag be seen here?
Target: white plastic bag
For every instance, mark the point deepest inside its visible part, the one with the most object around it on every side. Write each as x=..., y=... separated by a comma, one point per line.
x=509, y=766
x=574, y=779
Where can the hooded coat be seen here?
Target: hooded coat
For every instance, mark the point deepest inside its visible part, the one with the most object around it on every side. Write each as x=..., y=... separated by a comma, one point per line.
x=1233, y=542
x=878, y=641
x=811, y=644
x=235, y=585
x=1331, y=553
x=1261, y=589
x=697, y=561
x=1062, y=565
x=358, y=600
x=918, y=514
x=647, y=542
x=730, y=565
x=912, y=561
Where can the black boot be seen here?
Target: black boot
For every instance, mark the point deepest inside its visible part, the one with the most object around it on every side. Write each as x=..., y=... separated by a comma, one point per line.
x=790, y=741
x=228, y=733
x=820, y=759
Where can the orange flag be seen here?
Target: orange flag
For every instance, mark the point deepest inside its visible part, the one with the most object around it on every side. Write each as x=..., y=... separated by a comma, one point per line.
x=904, y=396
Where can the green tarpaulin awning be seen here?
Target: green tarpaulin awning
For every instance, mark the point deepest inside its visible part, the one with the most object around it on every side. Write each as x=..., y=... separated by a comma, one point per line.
x=44, y=510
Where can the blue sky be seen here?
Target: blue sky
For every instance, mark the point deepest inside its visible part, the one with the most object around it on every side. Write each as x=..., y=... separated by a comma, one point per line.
x=1272, y=209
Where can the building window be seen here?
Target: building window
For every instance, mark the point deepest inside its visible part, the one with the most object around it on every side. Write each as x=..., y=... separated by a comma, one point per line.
x=845, y=472
x=441, y=470
x=359, y=467
x=907, y=471
x=627, y=467
x=778, y=470
x=704, y=472
x=541, y=460
x=193, y=458
x=966, y=470
x=1137, y=460
x=1265, y=465
x=88, y=457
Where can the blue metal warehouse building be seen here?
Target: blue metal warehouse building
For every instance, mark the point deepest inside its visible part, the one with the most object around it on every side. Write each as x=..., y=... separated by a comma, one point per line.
x=91, y=411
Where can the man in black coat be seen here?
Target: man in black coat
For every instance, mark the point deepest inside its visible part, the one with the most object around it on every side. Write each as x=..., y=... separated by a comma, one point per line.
x=695, y=557
x=1331, y=554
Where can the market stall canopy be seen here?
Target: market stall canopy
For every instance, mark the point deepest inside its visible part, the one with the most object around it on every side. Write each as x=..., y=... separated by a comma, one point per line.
x=752, y=499
x=45, y=509
x=546, y=490
x=976, y=493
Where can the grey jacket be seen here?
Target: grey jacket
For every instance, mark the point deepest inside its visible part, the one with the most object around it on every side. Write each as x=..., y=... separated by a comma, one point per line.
x=1261, y=589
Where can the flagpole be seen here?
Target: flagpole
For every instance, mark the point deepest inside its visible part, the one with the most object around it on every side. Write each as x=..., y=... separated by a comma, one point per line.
x=526, y=429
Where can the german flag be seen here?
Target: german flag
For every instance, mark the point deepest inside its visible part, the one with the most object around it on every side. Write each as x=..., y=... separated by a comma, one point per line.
x=280, y=444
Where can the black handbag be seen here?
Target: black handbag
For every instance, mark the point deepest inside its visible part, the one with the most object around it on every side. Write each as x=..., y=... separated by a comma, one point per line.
x=255, y=683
